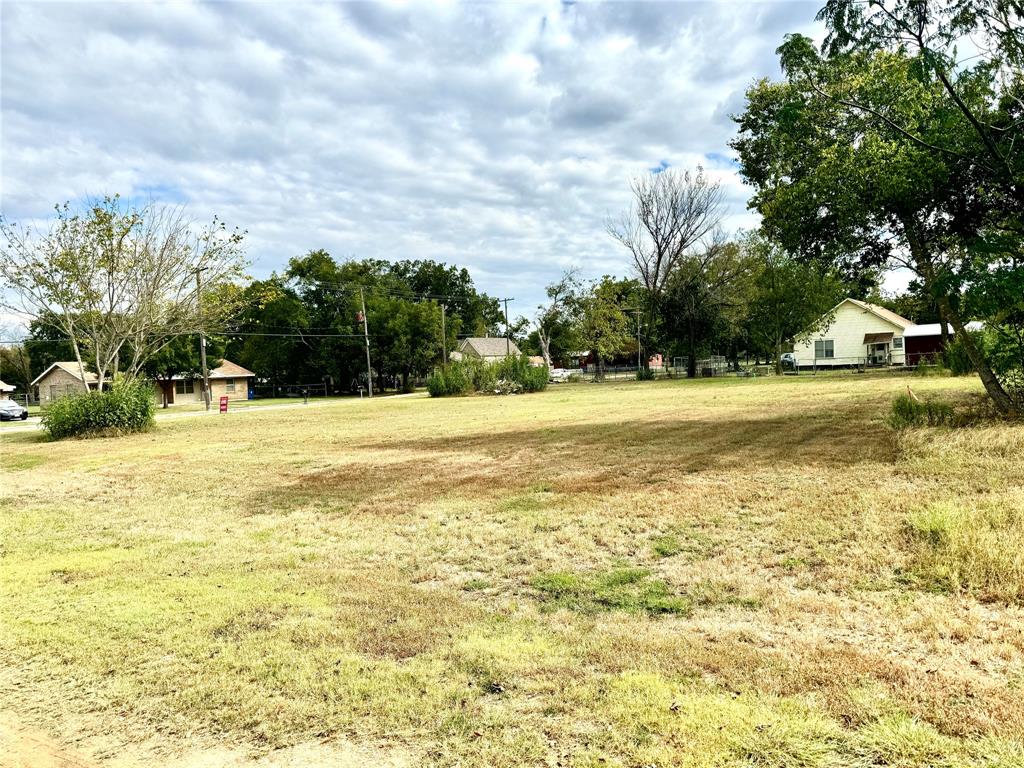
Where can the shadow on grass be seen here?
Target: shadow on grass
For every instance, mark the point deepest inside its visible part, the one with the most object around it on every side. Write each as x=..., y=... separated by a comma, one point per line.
x=396, y=473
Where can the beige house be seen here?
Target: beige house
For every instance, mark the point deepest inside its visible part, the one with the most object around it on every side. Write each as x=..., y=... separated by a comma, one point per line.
x=490, y=349
x=63, y=378
x=859, y=334
x=6, y=389
x=229, y=379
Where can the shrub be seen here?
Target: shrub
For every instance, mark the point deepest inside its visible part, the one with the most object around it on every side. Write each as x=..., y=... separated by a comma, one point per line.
x=909, y=412
x=645, y=374
x=509, y=376
x=126, y=407
x=956, y=358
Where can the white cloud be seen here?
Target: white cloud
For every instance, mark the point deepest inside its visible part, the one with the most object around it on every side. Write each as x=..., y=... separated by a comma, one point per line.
x=495, y=136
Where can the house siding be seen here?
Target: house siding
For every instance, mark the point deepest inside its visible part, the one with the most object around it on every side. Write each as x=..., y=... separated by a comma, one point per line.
x=218, y=388
x=847, y=330
x=58, y=383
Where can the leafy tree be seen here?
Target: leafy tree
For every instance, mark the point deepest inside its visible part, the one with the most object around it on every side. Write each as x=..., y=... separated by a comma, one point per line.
x=792, y=297
x=180, y=357
x=702, y=288
x=555, y=319
x=836, y=182
x=15, y=366
x=603, y=326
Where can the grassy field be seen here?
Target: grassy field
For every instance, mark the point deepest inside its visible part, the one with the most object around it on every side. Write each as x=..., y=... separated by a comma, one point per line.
x=711, y=573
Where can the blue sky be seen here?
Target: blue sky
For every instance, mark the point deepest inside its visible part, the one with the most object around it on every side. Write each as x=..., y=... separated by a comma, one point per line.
x=494, y=136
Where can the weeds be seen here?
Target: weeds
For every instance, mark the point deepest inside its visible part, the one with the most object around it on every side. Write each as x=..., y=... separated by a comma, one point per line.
x=626, y=589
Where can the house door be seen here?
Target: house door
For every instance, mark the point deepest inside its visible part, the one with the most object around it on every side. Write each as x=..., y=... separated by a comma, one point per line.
x=878, y=354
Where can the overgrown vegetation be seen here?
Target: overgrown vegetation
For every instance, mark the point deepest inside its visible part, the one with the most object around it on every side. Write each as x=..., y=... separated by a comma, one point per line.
x=509, y=376
x=909, y=411
x=126, y=407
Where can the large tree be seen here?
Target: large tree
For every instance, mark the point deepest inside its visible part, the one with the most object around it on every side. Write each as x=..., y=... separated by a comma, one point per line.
x=791, y=297
x=603, y=325
x=555, y=318
x=673, y=214
x=842, y=159
x=118, y=281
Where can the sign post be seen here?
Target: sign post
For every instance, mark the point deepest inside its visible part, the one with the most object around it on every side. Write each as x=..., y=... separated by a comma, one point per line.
x=223, y=403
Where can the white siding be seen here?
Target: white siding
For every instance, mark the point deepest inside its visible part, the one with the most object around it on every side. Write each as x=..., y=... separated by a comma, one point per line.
x=847, y=330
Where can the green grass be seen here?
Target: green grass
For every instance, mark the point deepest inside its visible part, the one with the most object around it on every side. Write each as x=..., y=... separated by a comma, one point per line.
x=713, y=573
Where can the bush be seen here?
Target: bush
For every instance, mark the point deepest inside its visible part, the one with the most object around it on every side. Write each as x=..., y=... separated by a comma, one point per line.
x=910, y=412
x=509, y=376
x=956, y=358
x=126, y=407
x=645, y=374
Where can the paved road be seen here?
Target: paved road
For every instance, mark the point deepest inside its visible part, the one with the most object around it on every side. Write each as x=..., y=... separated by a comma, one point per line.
x=33, y=423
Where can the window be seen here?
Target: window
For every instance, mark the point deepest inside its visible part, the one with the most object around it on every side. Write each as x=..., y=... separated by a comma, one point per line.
x=229, y=385
x=824, y=348
x=184, y=387
x=54, y=392
x=897, y=343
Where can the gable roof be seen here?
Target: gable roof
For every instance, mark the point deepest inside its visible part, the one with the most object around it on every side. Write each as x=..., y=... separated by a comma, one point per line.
x=229, y=370
x=490, y=346
x=68, y=367
x=886, y=314
x=5, y=387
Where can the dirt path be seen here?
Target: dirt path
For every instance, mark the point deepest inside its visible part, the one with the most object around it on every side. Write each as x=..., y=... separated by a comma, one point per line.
x=23, y=747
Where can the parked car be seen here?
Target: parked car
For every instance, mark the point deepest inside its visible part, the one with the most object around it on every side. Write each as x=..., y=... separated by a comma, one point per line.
x=559, y=375
x=10, y=411
x=788, y=361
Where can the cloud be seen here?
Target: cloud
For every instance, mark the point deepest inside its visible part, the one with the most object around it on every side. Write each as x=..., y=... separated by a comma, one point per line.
x=494, y=136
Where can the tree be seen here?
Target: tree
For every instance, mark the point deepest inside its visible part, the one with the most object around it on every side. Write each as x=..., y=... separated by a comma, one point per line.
x=672, y=213
x=118, y=281
x=555, y=319
x=702, y=287
x=792, y=298
x=602, y=324
x=838, y=184
x=180, y=357
x=15, y=366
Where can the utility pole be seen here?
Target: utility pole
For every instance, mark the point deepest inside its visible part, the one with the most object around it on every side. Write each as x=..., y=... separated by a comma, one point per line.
x=508, y=342
x=202, y=338
x=444, y=340
x=366, y=335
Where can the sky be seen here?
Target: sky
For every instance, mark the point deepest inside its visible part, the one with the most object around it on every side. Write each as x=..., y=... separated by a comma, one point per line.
x=499, y=137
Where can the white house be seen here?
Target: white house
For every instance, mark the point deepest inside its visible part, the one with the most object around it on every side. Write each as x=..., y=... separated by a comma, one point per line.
x=859, y=334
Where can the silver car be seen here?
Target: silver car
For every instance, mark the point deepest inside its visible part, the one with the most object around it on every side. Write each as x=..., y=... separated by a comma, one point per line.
x=11, y=411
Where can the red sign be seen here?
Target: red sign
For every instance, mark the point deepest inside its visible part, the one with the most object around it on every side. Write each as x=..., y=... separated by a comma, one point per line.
x=223, y=403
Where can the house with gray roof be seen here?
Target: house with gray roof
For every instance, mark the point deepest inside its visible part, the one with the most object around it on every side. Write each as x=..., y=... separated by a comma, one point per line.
x=491, y=349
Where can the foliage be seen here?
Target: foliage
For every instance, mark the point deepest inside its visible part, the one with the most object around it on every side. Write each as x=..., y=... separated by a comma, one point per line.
x=907, y=411
x=645, y=373
x=308, y=328
x=791, y=297
x=603, y=326
x=556, y=320
x=511, y=375
x=125, y=407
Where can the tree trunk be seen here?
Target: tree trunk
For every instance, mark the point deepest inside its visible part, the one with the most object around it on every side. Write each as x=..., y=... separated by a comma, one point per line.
x=778, y=354
x=925, y=268
x=691, y=361
x=1004, y=404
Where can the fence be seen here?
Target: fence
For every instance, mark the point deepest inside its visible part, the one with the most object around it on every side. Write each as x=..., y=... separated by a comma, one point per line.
x=318, y=389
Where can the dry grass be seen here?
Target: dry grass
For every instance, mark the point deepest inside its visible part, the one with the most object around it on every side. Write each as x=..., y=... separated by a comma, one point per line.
x=748, y=573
